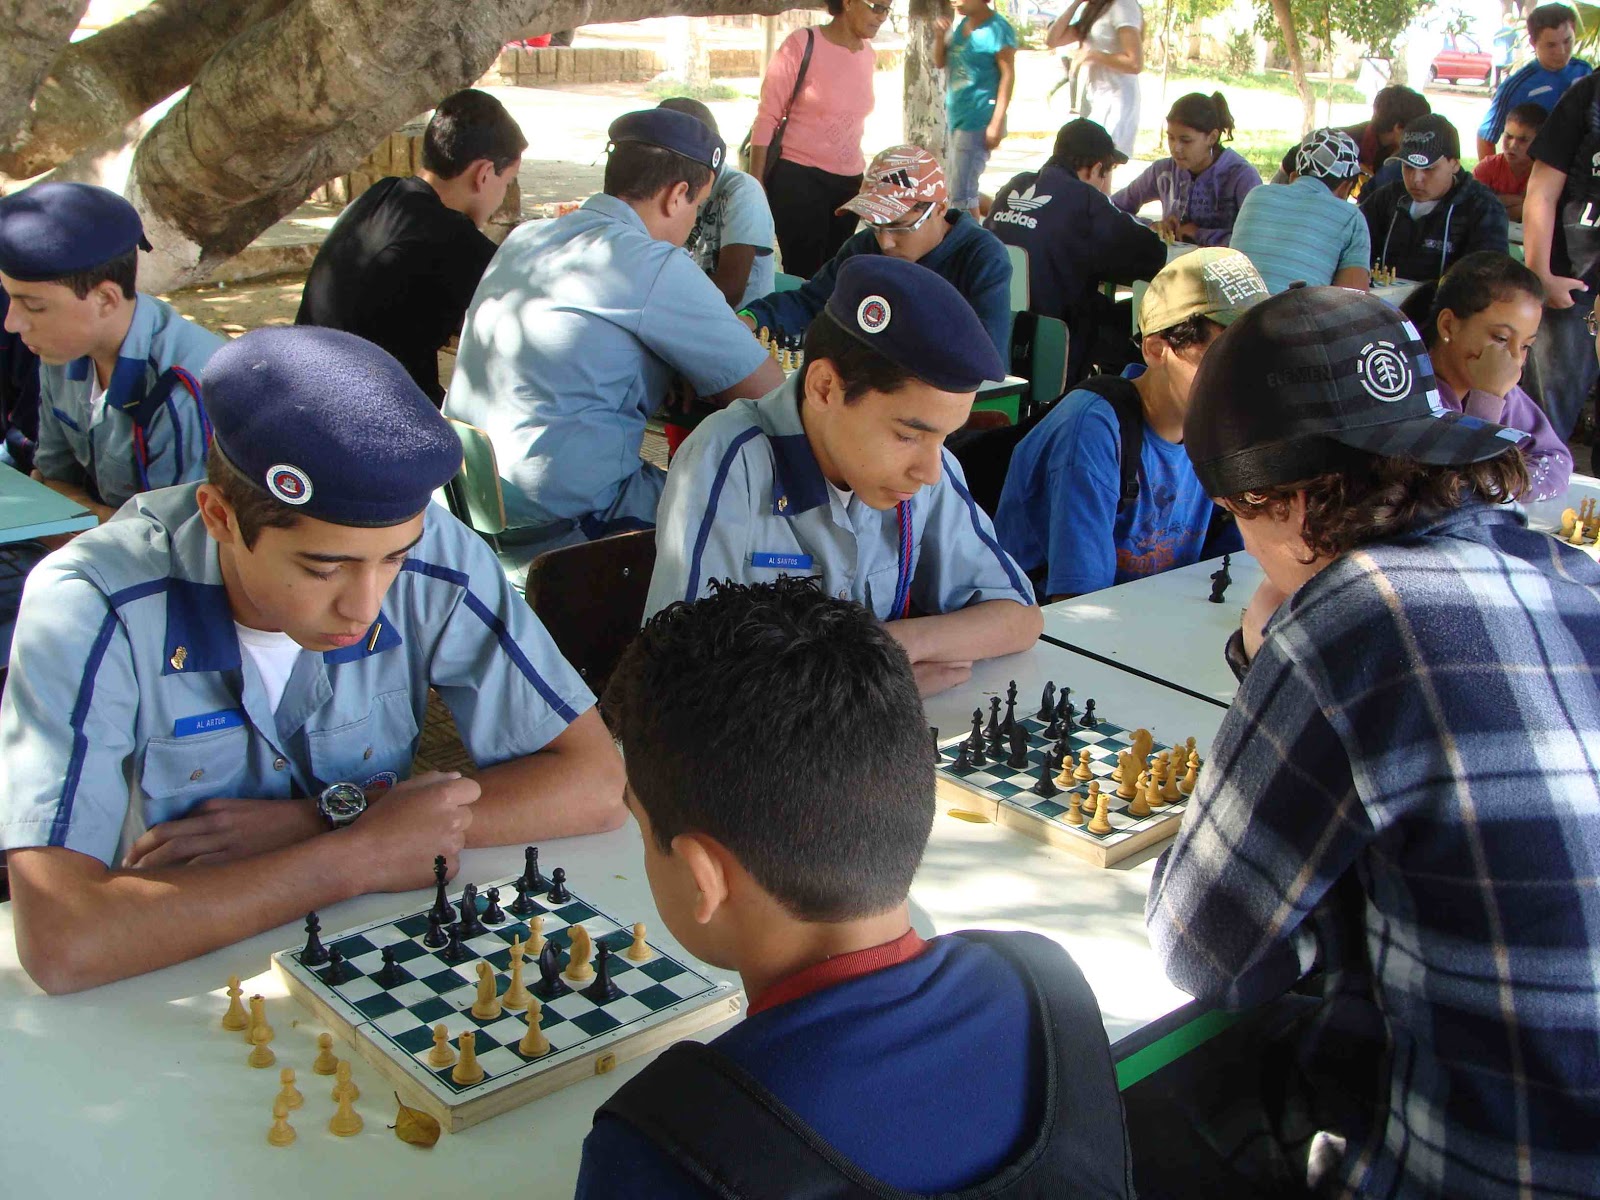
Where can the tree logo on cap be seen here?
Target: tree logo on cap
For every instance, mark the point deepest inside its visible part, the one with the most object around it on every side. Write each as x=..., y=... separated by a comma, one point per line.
x=872, y=314
x=1384, y=371
x=289, y=484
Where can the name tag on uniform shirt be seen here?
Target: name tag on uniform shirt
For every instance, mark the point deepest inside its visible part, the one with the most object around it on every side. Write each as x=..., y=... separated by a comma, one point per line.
x=226, y=718
x=787, y=562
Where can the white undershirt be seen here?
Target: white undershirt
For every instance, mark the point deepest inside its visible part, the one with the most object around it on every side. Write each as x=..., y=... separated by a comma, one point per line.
x=274, y=655
x=841, y=493
x=1421, y=208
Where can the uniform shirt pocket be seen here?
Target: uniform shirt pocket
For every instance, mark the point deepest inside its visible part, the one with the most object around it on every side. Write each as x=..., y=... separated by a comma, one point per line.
x=179, y=772
x=373, y=752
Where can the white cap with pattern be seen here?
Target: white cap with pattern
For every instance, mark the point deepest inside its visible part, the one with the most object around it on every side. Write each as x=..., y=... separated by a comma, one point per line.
x=1328, y=154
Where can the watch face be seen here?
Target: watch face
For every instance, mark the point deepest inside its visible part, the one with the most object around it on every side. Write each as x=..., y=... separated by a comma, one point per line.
x=343, y=803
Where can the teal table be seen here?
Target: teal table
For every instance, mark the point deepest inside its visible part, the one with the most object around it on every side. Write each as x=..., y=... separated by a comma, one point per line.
x=28, y=509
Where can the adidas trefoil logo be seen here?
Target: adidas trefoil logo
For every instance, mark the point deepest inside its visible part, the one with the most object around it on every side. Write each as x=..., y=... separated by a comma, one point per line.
x=1027, y=201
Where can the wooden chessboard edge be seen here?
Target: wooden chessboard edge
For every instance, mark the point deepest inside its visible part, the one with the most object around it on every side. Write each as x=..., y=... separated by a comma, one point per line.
x=1095, y=853
x=952, y=790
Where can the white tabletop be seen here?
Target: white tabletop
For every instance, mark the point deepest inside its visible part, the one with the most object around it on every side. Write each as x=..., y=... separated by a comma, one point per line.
x=1546, y=514
x=28, y=509
x=1163, y=625
x=135, y=1082
x=1395, y=293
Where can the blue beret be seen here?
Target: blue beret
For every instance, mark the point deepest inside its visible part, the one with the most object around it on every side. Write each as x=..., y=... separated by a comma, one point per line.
x=671, y=130
x=56, y=229
x=329, y=423
x=915, y=318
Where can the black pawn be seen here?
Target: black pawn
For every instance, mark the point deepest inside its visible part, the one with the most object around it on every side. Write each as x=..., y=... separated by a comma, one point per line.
x=335, y=972
x=1019, y=748
x=1047, y=702
x=531, y=875
x=435, y=937
x=390, y=975
x=550, y=984
x=315, y=953
x=997, y=743
x=558, y=886
x=602, y=990
x=963, y=758
x=471, y=924
x=993, y=727
x=441, y=902
x=493, y=914
x=453, y=951
x=1045, y=785
x=1089, y=719
x=522, y=906
x=1053, y=730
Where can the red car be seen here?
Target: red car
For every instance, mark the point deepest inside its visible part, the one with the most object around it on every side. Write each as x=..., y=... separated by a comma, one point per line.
x=1460, y=60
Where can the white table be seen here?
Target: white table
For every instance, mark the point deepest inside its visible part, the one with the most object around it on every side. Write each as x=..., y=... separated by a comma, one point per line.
x=1395, y=293
x=136, y=1083
x=1163, y=626
x=28, y=509
x=1546, y=514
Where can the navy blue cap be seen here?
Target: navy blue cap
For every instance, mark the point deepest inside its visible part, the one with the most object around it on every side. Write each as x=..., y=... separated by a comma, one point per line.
x=54, y=229
x=915, y=318
x=671, y=130
x=329, y=423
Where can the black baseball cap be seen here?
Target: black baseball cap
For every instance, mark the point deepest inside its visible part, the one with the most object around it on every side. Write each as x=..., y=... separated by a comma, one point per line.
x=1427, y=139
x=1302, y=379
x=1086, y=139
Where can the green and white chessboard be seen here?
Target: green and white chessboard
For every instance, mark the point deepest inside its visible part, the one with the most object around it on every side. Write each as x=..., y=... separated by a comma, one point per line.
x=1005, y=795
x=662, y=1001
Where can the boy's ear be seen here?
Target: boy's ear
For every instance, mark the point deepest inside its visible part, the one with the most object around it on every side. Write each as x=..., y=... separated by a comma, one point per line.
x=217, y=514
x=707, y=863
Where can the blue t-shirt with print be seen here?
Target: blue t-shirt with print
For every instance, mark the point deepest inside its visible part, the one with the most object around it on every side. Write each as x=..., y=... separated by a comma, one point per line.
x=974, y=75
x=1058, y=509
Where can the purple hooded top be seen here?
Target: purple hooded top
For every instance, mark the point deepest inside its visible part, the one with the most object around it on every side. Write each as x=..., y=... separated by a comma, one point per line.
x=1210, y=199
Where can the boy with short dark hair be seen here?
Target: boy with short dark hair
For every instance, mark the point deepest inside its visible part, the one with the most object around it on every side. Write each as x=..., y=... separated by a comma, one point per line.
x=1544, y=80
x=796, y=874
x=1506, y=174
x=400, y=265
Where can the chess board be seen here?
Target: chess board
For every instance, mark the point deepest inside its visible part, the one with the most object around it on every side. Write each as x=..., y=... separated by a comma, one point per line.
x=663, y=1000
x=1005, y=795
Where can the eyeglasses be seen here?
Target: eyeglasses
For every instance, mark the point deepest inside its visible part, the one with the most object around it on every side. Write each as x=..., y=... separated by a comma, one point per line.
x=1592, y=320
x=881, y=10
x=907, y=226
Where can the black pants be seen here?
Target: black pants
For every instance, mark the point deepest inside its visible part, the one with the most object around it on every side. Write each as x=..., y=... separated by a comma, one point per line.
x=803, y=200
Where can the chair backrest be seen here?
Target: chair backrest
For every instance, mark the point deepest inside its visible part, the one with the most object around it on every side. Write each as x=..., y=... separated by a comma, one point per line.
x=786, y=283
x=591, y=597
x=1021, y=293
x=476, y=486
x=1039, y=347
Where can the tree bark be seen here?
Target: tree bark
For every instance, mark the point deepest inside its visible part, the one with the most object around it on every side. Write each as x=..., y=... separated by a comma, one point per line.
x=1297, y=65
x=305, y=95
x=100, y=84
x=924, y=116
x=32, y=33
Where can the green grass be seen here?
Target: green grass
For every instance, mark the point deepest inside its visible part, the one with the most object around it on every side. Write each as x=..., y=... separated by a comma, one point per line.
x=716, y=91
x=1214, y=78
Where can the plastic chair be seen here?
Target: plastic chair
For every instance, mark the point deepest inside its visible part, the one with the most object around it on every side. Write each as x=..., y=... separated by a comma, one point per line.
x=591, y=598
x=1039, y=347
x=786, y=283
x=475, y=494
x=1021, y=292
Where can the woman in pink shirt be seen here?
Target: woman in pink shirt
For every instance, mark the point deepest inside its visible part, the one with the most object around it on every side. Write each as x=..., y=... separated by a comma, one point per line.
x=820, y=162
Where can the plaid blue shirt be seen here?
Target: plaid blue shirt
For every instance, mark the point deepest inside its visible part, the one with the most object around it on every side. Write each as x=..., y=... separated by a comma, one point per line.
x=1406, y=794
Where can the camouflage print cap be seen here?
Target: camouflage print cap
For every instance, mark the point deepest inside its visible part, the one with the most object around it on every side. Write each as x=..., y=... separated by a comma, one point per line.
x=897, y=181
x=1213, y=281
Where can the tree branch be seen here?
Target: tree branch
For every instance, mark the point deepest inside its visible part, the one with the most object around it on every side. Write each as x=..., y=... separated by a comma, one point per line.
x=32, y=33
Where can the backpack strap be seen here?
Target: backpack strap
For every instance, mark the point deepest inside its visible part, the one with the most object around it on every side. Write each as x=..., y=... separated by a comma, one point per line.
x=1124, y=400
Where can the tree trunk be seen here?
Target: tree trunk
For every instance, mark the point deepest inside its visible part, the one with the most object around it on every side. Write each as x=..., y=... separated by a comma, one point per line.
x=924, y=115
x=32, y=33
x=100, y=84
x=688, y=56
x=305, y=95
x=1297, y=65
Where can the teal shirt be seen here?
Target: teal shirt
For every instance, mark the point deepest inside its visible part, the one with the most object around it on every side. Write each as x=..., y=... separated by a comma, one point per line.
x=974, y=73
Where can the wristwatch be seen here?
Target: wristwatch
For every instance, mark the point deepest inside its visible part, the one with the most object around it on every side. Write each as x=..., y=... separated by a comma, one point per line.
x=341, y=803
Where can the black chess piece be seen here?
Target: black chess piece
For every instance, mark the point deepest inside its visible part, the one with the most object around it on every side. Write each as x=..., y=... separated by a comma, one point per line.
x=1053, y=730
x=315, y=953
x=453, y=951
x=1069, y=718
x=1045, y=785
x=441, y=902
x=1019, y=748
x=435, y=937
x=521, y=906
x=1059, y=752
x=997, y=743
x=550, y=983
x=531, y=875
x=992, y=729
x=1011, y=692
x=471, y=923
x=493, y=914
x=1010, y=721
x=558, y=887
x=390, y=975
x=1220, y=579
x=1047, y=702
x=602, y=990
x=1089, y=719
x=335, y=972
x=963, y=758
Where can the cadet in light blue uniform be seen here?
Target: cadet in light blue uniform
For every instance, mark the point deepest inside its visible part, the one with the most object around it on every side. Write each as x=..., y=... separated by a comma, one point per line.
x=230, y=673
x=119, y=409
x=580, y=327
x=842, y=474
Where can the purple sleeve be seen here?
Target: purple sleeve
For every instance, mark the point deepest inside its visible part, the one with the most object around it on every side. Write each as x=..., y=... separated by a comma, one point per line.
x=1140, y=192
x=1549, y=461
x=1242, y=180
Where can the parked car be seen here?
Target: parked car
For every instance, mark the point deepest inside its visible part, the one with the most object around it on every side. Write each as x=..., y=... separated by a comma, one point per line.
x=1460, y=61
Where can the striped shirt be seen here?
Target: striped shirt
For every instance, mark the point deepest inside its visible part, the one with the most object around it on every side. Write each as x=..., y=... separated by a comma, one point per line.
x=1530, y=85
x=1301, y=231
x=1406, y=795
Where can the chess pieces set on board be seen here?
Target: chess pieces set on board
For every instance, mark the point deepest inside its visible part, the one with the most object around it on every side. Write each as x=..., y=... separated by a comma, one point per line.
x=1384, y=276
x=786, y=356
x=1581, y=526
x=475, y=1004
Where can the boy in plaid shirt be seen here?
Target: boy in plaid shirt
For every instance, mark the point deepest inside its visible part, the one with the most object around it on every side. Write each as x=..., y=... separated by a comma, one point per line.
x=1403, y=796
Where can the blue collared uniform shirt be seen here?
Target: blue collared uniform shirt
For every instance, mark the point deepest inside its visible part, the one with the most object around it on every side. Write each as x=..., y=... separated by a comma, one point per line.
x=91, y=442
x=746, y=501
x=571, y=342
x=129, y=702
